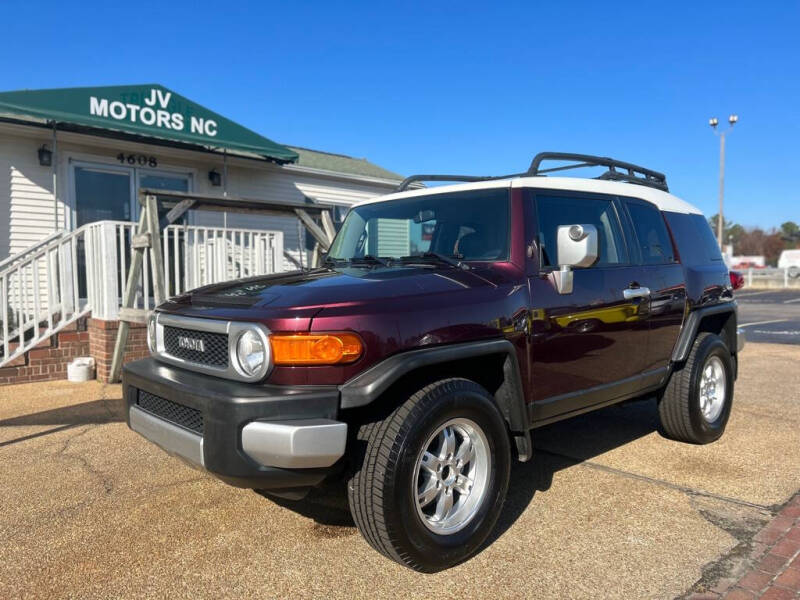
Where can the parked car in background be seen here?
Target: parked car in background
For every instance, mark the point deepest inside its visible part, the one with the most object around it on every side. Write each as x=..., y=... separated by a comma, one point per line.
x=445, y=325
x=790, y=259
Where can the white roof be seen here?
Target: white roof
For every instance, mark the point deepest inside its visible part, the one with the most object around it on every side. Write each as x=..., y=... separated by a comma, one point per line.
x=662, y=200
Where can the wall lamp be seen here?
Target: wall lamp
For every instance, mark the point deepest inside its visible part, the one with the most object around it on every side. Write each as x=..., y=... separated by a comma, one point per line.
x=45, y=156
x=215, y=178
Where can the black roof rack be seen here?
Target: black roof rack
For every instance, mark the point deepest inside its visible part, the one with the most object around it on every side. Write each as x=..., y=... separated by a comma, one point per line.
x=617, y=171
x=634, y=174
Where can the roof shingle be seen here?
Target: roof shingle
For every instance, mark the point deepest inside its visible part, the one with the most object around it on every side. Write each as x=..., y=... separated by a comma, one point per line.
x=341, y=163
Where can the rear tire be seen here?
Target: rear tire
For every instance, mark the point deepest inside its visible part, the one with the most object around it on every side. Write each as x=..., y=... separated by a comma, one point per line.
x=413, y=455
x=696, y=403
x=794, y=272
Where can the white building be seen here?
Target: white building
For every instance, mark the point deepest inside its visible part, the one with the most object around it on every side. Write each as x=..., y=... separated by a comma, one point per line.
x=100, y=152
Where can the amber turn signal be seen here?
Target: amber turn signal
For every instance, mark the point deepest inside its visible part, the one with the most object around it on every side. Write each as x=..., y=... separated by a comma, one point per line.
x=315, y=348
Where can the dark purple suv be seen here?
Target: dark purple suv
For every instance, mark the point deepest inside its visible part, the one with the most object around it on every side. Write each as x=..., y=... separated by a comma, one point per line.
x=444, y=326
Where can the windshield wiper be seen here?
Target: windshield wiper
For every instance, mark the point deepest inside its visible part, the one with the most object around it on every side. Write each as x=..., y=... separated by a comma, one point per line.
x=335, y=262
x=454, y=260
x=368, y=258
x=357, y=261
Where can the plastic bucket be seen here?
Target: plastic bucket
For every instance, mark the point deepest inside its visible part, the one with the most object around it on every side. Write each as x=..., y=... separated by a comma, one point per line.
x=81, y=369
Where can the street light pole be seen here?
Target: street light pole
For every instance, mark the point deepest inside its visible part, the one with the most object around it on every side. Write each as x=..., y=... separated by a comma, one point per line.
x=721, y=219
x=721, y=216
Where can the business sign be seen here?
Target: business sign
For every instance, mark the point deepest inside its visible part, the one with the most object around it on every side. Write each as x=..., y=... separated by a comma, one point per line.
x=153, y=110
x=149, y=110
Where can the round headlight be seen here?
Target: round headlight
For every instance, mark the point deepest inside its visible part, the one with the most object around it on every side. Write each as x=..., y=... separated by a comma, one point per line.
x=151, y=333
x=251, y=352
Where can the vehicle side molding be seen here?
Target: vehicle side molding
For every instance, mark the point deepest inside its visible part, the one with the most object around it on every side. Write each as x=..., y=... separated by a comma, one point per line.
x=689, y=331
x=369, y=385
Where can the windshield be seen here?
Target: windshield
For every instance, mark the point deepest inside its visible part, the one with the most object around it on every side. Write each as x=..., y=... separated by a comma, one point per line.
x=469, y=225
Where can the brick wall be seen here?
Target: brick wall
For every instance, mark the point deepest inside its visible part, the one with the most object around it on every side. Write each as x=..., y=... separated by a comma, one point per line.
x=103, y=336
x=87, y=337
x=49, y=359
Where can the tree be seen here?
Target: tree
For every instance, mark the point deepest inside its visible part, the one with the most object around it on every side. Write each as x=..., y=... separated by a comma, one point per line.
x=790, y=228
x=735, y=234
x=731, y=232
x=790, y=232
x=773, y=246
x=757, y=242
x=754, y=241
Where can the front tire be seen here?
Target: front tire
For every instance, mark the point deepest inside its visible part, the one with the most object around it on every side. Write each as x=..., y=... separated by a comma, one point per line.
x=433, y=476
x=696, y=404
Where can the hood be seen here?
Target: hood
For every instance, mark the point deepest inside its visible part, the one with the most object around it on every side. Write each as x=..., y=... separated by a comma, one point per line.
x=323, y=287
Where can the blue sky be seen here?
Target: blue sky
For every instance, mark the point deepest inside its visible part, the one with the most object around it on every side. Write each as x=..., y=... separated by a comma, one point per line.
x=462, y=87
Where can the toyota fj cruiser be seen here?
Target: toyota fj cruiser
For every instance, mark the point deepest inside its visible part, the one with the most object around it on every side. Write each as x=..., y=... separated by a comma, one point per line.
x=444, y=326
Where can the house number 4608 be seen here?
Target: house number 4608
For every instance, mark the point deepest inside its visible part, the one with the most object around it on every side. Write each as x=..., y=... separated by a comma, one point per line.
x=137, y=159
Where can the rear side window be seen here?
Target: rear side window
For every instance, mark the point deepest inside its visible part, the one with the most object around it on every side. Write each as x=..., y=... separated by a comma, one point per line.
x=652, y=236
x=694, y=238
x=553, y=211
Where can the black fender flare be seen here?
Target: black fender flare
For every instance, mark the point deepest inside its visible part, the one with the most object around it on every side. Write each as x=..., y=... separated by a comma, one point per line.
x=368, y=386
x=690, y=327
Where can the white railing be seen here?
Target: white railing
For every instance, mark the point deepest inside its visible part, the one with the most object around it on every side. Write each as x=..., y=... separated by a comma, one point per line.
x=63, y=278
x=195, y=256
x=43, y=289
x=14, y=258
x=770, y=277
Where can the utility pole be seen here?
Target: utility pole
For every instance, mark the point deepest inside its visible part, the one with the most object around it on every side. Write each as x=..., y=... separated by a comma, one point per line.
x=732, y=119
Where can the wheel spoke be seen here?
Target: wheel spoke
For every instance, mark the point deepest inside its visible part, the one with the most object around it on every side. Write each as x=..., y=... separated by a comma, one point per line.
x=466, y=451
x=462, y=484
x=430, y=462
x=429, y=494
x=443, y=505
x=448, y=442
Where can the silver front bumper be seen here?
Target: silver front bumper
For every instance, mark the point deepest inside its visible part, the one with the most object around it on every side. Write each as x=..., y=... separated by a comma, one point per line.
x=298, y=444
x=741, y=339
x=175, y=440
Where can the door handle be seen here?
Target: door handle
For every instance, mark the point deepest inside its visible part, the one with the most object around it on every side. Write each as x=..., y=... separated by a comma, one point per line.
x=638, y=292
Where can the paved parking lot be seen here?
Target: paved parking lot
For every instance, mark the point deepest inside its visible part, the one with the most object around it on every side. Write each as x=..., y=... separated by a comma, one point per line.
x=608, y=508
x=770, y=315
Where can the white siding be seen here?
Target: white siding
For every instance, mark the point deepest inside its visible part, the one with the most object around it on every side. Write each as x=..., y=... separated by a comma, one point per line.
x=26, y=197
x=5, y=205
x=392, y=237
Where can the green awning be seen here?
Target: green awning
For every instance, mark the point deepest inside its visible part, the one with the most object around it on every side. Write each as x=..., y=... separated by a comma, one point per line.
x=149, y=110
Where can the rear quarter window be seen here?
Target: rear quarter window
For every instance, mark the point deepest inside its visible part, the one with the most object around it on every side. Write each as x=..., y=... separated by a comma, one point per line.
x=694, y=238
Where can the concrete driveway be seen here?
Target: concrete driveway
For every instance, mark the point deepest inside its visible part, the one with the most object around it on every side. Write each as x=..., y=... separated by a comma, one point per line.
x=608, y=508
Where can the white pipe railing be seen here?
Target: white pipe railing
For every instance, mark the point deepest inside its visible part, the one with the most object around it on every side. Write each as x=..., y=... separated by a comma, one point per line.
x=42, y=290
x=195, y=256
x=64, y=277
x=772, y=277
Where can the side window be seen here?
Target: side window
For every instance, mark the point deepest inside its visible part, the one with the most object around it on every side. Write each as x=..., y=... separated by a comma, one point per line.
x=694, y=239
x=553, y=211
x=654, y=242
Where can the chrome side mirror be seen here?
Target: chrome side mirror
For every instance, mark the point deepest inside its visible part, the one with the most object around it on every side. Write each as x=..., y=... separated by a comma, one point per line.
x=577, y=248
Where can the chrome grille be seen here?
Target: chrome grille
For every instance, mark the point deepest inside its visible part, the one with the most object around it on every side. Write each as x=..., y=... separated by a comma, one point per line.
x=188, y=418
x=214, y=346
x=206, y=345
